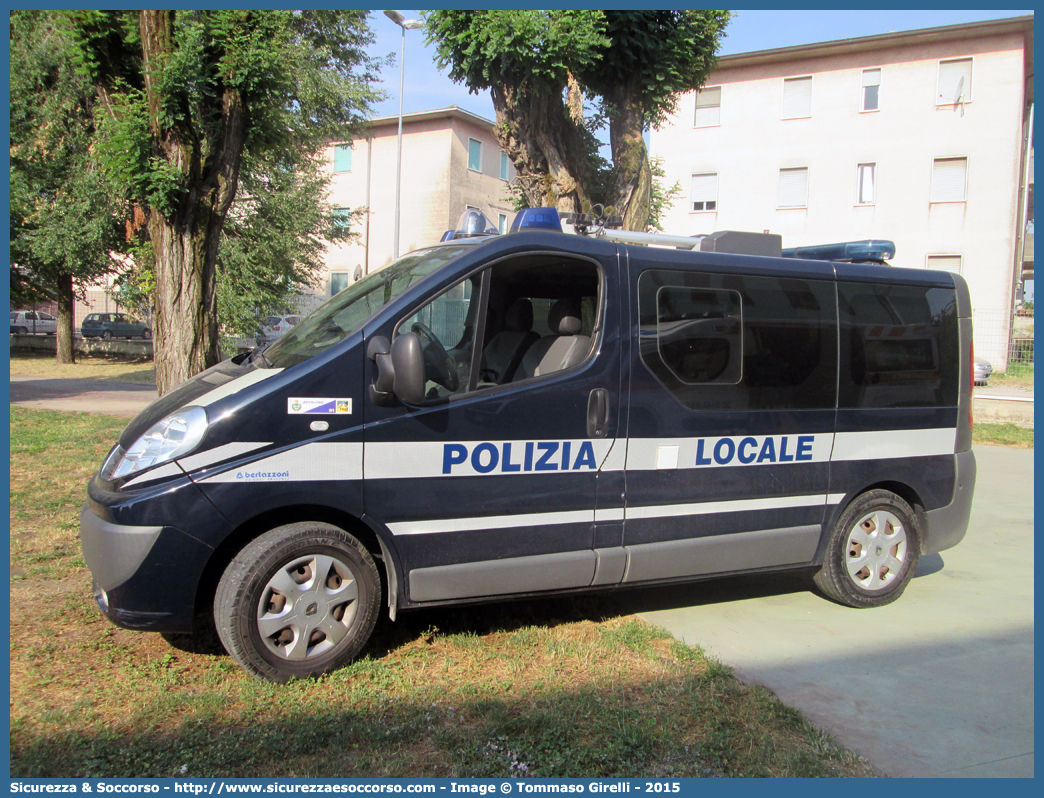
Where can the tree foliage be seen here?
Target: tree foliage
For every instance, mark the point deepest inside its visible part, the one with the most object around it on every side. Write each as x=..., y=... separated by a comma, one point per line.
x=540, y=66
x=65, y=228
x=199, y=108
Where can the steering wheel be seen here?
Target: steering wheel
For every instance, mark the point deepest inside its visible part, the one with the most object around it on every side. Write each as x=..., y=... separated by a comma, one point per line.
x=438, y=365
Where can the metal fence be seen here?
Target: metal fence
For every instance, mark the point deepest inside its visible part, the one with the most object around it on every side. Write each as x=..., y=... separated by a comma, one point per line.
x=1005, y=338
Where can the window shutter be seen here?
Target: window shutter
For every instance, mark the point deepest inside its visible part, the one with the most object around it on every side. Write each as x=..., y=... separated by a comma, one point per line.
x=475, y=155
x=705, y=192
x=945, y=263
x=343, y=158
x=793, y=188
x=708, y=107
x=797, y=97
x=871, y=77
x=949, y=177
x=950, y=74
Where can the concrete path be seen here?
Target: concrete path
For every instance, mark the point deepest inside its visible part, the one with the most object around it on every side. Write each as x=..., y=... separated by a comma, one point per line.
x=83, y=395
x=938, y=684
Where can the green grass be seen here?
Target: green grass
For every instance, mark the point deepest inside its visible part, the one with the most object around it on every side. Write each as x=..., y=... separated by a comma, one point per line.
x=559, y=687
x=1003, y=435
x=28, y=364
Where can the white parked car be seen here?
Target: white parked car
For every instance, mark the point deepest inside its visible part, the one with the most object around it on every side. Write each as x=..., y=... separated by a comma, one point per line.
x=33, y=321
x=276, y=326
x=983, y=371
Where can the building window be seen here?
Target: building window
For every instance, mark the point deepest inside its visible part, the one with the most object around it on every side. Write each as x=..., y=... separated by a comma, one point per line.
x=866, y=177
x=502, y=223
x=342, y=218
x=342, y=157
x=338, y=282
x=797, y=97
x=871, y=89
x=945, y=263
x=708, y=107
x=955, y=81
x=705, y=192
x=949, y=179
x=793, y=188
x=475, y=155
x=503, y=166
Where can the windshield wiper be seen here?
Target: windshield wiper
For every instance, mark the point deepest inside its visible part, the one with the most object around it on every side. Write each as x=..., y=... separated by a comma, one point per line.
x=259, y=352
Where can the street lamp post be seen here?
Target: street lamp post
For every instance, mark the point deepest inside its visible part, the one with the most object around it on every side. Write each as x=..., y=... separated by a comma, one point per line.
x=405, y=24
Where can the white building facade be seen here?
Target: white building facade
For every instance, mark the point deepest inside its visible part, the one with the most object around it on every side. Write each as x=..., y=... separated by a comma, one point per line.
x=920, y=137
x=451, y=161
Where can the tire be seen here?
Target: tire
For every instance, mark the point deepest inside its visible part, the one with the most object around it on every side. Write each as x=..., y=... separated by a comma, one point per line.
x=275, y=577
x=146, y=334
x=858, y=570
x=22, y=331
x=106, y=335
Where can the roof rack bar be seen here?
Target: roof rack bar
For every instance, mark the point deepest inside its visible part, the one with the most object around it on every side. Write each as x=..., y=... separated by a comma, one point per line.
x=656, y=239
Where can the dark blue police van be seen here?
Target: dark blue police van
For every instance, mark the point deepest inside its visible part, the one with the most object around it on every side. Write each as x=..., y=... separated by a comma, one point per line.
x=542, y=412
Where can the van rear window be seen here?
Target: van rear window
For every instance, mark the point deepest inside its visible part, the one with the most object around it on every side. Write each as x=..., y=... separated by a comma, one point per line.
x=899, y=346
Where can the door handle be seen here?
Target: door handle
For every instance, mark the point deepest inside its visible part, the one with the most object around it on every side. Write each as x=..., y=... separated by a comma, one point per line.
x=598, y=413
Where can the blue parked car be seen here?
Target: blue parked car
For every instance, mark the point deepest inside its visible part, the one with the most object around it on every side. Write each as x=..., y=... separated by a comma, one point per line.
x=114, y=325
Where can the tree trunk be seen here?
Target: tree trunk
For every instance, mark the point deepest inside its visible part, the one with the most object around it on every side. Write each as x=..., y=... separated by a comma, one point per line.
x=185, y=242
x=65, y=351
x=185, y=340
x=632, y=175
x=546, y=147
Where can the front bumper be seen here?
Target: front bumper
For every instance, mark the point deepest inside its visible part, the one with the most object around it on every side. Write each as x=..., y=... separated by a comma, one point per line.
x=145, y=577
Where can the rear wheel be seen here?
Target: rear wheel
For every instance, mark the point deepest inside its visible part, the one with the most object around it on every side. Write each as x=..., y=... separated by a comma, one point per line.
x=146, y=334
x=299, y=601
x=873, y=551
x=106, y=334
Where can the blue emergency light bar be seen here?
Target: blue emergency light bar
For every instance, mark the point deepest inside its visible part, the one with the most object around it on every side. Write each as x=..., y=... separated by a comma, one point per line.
x=848, y=251
x=536, y=219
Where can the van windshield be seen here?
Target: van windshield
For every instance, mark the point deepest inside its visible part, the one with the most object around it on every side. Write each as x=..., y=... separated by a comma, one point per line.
x=345, y=313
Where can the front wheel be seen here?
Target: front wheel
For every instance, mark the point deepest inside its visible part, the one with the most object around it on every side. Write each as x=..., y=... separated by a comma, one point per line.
x=873, y=551
x=146, y=334
x=298, y=602
x=106, y=335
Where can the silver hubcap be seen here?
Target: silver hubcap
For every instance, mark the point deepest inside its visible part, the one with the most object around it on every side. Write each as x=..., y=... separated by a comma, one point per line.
x=307, y=607
x=876, y=550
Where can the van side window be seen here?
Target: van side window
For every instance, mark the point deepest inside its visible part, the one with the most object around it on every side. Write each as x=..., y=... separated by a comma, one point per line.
x=699, y=333
x=542, y=318
x=731, y=342
x=894, y=340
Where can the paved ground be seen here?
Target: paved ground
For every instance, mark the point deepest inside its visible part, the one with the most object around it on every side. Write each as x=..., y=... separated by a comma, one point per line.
x=88, y=396
x=938, y=684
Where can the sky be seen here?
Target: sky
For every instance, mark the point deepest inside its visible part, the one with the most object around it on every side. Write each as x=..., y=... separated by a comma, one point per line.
x=428, y=88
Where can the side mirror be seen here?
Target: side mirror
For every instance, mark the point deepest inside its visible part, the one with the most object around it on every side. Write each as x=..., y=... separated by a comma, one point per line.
x=382, y=390
x=407, y=356
x=400, y=370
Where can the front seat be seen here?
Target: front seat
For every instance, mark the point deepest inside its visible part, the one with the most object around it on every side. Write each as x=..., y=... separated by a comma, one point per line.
x=565, y=349
x=503, y=354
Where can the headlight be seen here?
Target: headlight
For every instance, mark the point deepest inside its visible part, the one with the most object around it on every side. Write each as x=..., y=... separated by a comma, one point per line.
x=176, y=435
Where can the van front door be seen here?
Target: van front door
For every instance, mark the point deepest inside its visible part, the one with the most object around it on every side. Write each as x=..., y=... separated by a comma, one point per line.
x=489, y=486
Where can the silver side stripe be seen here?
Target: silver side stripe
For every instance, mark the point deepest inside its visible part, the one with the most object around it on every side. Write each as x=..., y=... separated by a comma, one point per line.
x=238, y=384
x=163, y=471
x=491, y=522
x=313, y=462
x=742, y=505
x=894, y=443
x=216, y=455
x=587, y=516
x=610, y=514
